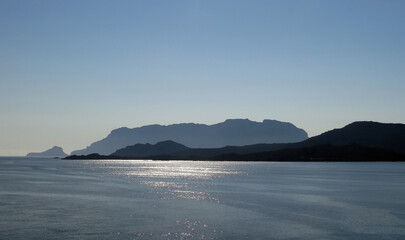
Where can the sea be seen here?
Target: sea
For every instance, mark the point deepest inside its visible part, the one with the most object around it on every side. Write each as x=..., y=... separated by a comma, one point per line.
x=46, y=198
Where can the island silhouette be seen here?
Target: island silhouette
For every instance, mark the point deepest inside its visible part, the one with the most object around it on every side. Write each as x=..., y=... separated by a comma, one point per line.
x=52, y=152
x=235, y=132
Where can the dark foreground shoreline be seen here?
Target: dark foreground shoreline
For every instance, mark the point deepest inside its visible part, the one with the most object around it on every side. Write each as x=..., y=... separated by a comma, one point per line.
x=321, y=153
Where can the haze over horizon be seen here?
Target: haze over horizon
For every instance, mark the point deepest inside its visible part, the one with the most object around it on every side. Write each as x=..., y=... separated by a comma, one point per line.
x=72, y=71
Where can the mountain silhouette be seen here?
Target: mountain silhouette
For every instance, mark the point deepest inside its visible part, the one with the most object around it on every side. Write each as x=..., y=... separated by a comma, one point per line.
x=144, y=150
x=358, y=141
x=386, y=136
x=236, y=132
x=53, y=152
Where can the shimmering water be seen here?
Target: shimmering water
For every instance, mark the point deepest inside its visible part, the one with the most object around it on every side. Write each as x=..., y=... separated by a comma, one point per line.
x=56, y=199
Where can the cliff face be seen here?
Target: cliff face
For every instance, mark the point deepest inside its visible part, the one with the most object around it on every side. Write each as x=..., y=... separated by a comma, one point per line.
x=53, y=152
x=233, y=132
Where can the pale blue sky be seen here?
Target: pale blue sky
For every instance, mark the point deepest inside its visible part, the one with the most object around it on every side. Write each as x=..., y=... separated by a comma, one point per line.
x=71, y=71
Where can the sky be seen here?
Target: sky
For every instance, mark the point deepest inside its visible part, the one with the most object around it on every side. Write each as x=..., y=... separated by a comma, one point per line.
x=72, y=71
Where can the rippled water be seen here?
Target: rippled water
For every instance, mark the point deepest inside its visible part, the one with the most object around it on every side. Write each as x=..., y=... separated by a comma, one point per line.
x=56, y=199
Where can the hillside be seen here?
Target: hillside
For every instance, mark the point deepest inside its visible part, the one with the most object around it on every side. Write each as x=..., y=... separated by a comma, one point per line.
x=144, y=150
x=389, y=136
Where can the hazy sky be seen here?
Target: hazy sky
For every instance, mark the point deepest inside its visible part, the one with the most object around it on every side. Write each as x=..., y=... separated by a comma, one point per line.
x=71, y=71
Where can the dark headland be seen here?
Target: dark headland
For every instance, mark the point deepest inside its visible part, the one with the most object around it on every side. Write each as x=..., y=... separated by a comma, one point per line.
x=359, y=141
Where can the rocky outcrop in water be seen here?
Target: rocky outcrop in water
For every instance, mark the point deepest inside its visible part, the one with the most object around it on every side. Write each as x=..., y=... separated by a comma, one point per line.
x=53, y=152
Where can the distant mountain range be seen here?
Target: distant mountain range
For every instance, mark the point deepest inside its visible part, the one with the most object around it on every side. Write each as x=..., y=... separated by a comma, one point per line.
x=359, y=141
x=53, y=152
x=232, y=132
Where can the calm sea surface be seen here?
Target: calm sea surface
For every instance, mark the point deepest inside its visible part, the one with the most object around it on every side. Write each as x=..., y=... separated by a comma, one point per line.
x=102, y=199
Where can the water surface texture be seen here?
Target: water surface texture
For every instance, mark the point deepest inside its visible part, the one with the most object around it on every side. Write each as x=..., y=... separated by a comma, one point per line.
x=59, y=199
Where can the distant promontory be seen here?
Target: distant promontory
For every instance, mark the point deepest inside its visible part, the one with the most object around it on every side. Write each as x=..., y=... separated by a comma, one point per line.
x=53, y=152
